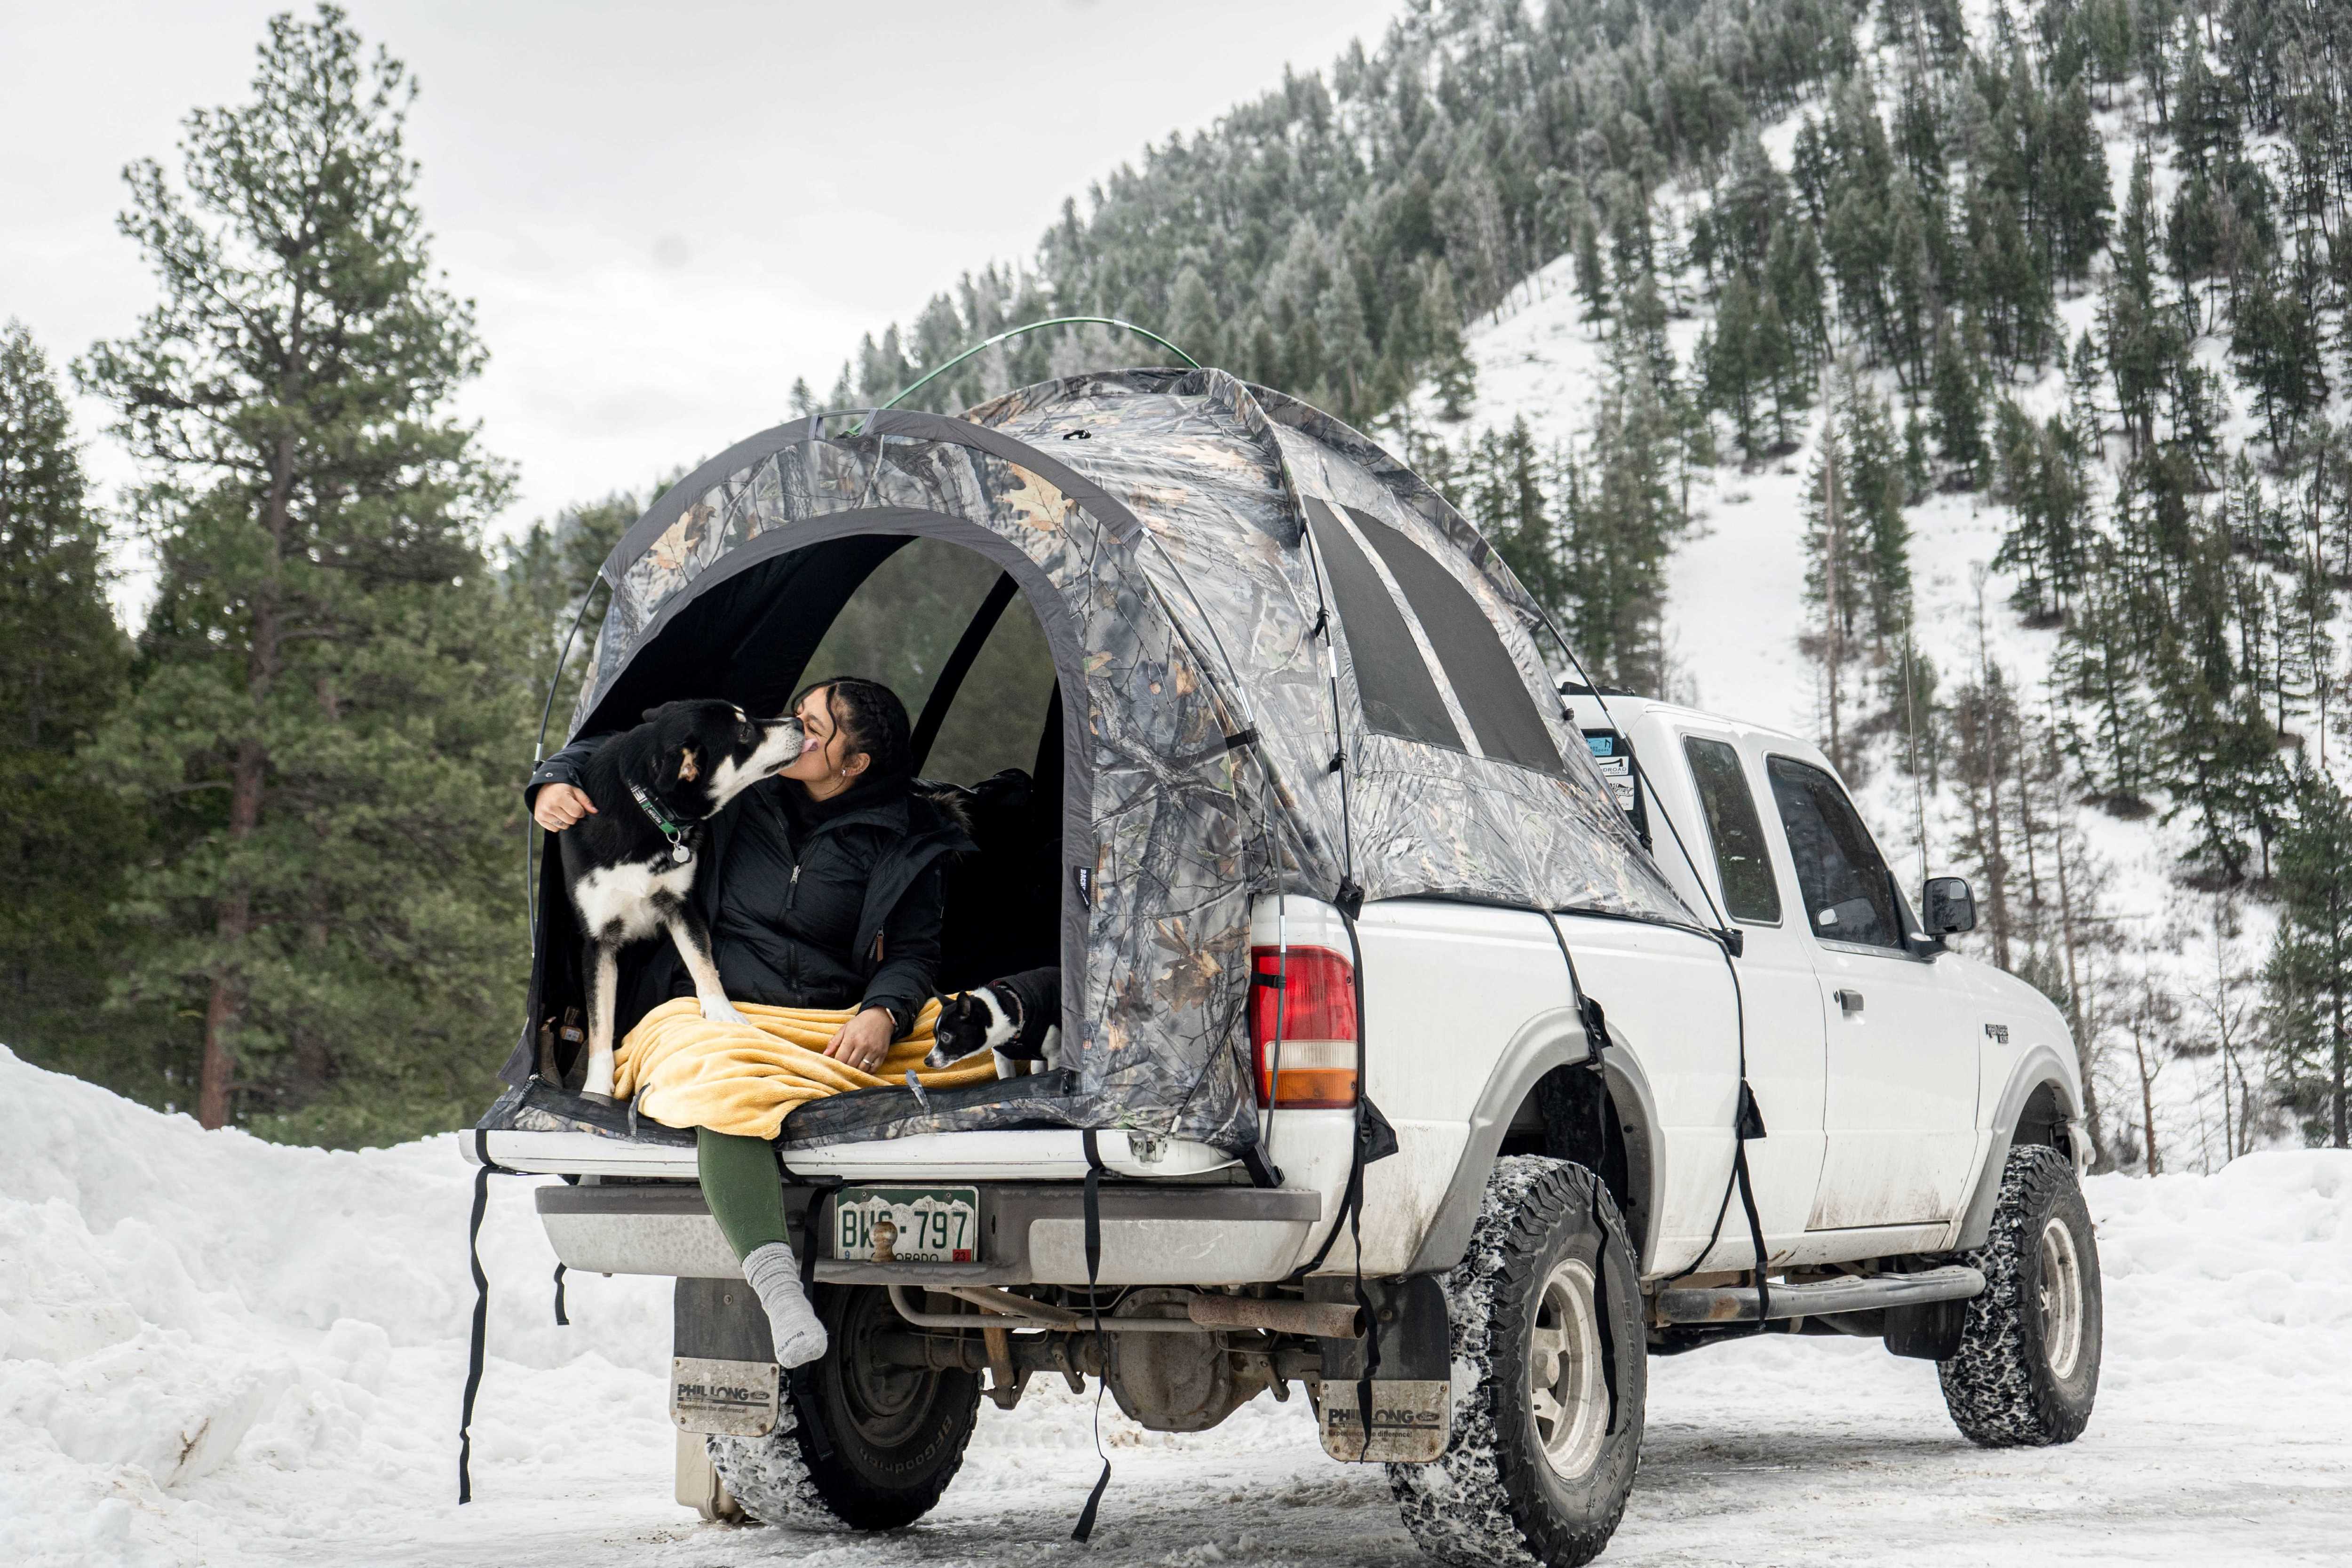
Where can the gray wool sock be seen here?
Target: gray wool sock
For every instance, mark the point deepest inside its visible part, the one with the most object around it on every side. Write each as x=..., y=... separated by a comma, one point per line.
x=775, y=1277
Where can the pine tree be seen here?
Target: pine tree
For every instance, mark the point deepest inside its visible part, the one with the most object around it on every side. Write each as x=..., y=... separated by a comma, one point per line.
x=1193, y=324
x=1780, y=360
x=2143, y=344
x=328, y=718
x=1858, y=572
x=2083, y=412
x=551, y=580
x=2308, y=981
x=1500, y=484
x=2274, y=339
x=1591, y=274
x=1880, y=484
x=2107, y=730
x=1914, y=298
x=1988, y=735
x=1622, y=510
x=1955, y=401
x=1792, y=281
x=2039, y=471
x=1454, y=377
x=2217, y=752
x=65, y=841
x=1730, y=361
x=2079, y=204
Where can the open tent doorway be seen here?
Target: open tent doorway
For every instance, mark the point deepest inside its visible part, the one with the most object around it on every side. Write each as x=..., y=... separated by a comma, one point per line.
x=944, y=614
x=949, y=632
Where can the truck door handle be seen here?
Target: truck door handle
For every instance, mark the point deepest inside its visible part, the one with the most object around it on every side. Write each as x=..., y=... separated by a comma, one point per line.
x=1848, y=1002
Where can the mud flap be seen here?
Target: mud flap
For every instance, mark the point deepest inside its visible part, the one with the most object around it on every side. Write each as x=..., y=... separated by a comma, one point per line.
x=1413, y=1386
x=1929, y=1332
x=723, y=1374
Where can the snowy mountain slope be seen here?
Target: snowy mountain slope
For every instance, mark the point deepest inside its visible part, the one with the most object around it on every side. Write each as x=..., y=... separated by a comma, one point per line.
x=1736, y=609
x=214, y=1350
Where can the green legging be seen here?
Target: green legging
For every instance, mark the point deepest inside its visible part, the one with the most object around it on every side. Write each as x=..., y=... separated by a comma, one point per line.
x=745, y=1189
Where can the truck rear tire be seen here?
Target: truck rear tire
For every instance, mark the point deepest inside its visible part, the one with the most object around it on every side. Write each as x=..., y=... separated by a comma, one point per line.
x=1546, y=1307
x=885, y=1441
x=2028, y=1368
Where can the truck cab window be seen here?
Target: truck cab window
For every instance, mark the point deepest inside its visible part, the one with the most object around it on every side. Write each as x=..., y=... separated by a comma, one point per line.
x=1849, y=898
x=1742, y=864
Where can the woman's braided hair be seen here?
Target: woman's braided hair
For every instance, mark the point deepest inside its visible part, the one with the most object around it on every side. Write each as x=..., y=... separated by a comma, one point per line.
x=874, y=721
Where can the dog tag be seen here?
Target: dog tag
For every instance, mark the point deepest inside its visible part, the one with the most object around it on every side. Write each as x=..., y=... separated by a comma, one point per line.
x=680, y=853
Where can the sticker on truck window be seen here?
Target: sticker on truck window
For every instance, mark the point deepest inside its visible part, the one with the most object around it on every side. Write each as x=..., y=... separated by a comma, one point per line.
x=907, y=1225
x=1613, y=761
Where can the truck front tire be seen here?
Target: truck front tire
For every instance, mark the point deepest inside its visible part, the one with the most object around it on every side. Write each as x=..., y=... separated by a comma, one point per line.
x=1546, y=1312
x=2028, y=1368
x=885, y=1441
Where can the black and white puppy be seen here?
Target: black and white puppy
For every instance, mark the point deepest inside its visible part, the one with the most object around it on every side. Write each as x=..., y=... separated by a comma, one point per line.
x=1019, y=1017
x=630, y=867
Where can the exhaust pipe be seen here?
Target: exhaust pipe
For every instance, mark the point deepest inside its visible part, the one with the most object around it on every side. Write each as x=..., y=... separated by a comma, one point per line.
x=1324, y=1319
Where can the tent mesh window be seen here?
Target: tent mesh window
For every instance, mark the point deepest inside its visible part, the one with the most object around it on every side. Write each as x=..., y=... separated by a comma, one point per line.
x=1399, y=696
x=1486, y=682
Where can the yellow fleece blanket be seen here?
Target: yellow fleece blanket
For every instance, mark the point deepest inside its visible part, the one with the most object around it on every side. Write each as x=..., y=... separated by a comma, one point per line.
x=687, y=1071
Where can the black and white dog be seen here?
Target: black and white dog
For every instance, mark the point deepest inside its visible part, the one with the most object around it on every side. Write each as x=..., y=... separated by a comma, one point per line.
x=1019, y=1017
x=630, y=867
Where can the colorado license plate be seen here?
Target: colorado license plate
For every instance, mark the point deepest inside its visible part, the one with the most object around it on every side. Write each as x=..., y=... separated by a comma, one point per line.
x=908, y=1224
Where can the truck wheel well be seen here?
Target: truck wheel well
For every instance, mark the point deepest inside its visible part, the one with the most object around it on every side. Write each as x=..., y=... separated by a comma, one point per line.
x=2043, y=1121
x=1560, y=1118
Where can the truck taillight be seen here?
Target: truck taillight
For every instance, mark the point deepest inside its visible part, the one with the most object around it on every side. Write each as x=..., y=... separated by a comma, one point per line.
x=1312, y=992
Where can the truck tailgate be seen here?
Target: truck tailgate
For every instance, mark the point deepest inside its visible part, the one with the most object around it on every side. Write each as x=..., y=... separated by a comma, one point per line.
x=1031, y=1231
x=1040, y=1154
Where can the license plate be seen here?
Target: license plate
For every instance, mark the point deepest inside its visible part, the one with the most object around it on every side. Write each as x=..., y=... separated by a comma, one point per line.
x=907, y=1225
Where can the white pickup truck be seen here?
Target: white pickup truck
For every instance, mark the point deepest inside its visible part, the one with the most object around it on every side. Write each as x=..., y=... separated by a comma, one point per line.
x=1562, y=1199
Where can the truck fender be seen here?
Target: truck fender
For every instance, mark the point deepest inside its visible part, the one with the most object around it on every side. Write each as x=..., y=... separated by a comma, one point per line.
x=2041, y=1070
x=1550, y=1041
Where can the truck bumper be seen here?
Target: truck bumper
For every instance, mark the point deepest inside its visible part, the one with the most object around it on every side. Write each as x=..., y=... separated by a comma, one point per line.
x=1032, y=1233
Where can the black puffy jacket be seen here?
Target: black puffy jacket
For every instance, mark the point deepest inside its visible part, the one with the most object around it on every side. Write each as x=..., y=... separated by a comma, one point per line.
x=807, y=908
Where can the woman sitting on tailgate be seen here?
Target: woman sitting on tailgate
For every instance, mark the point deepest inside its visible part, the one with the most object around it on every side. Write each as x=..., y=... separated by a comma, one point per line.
x=827, y=890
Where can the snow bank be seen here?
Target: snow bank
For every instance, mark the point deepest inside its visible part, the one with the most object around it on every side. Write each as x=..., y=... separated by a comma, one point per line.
x=205, y=1338
x=2243, y=1277
x=216, y=1350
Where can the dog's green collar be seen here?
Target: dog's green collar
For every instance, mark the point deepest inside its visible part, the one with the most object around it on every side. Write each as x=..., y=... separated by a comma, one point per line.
x=679, y=850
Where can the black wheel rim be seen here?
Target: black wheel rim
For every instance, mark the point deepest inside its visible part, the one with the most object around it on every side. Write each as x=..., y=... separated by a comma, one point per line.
x=887, y=1404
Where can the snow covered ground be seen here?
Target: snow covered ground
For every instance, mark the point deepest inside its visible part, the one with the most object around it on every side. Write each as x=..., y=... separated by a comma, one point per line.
x=219, y=1350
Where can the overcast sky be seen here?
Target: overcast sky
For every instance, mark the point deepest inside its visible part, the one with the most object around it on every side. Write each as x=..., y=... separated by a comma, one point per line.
x=663, y=213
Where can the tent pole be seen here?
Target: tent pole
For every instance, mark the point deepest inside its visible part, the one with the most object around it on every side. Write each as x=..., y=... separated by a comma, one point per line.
x=908, y=391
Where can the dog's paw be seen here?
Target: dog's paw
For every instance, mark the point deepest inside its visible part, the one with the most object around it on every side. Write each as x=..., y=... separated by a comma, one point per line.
x=722, y=1011
x=599, y=1082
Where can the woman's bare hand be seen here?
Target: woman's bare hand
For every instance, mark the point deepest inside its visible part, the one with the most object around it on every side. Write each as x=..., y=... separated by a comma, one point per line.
x=864, y=1040
x=557, y=806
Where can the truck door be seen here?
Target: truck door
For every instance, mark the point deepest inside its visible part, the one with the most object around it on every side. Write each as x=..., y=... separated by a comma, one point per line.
x=1780, y=999
x=1900, y=1112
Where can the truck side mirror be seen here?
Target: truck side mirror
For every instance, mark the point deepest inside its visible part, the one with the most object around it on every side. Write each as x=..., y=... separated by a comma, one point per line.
x=1948, y=906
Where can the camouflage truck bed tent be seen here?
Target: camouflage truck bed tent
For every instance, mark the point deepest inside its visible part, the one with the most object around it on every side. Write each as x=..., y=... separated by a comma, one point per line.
x=1195, y=550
